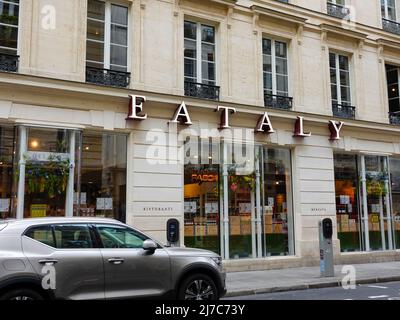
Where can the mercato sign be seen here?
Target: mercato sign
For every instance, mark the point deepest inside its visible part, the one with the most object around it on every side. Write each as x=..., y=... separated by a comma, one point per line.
x=264, y=124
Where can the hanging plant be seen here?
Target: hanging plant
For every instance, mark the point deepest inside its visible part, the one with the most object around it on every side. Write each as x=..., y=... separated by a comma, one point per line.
x=50, y=177
x=376, y=183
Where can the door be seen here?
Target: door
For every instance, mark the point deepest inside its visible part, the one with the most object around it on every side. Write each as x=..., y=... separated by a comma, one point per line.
x=376, y=202
x=131, y=271
x=78, y=266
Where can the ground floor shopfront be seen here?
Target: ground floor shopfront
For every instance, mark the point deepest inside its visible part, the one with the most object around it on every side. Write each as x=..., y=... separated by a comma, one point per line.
x=242, y=194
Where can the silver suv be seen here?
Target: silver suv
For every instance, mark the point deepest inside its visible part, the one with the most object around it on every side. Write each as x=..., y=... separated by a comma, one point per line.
x=90, y=258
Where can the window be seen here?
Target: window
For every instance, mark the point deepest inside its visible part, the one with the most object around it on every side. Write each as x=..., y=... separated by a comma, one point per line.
x=340, y=85
x=9, y=12
x=43, y=234
x=107, y=43
x=275, y=74
x=200, y=62
x=392, y=78
x=388, y=9
x=9, y=16
x=102, y=177
x=72, y=236
x=337, y=9
x=120, y=237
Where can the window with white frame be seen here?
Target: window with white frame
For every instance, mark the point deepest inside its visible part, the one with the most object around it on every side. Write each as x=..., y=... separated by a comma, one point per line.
x=388, y=8
x=340, y=79
x=107, y=35
x=275, y=68
x=199, y=54
x=9, y=16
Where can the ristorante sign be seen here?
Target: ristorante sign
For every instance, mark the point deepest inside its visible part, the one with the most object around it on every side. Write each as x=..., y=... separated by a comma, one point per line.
x=264, y=124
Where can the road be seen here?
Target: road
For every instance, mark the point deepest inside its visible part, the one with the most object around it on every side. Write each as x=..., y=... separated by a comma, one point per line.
x=376, y=291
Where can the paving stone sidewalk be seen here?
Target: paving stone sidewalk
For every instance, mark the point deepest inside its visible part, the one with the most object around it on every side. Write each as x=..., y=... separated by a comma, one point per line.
x=254, y=282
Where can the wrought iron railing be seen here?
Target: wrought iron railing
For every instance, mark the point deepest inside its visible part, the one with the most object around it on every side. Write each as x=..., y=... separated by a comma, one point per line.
x=9, y=62
x=344, y=111
x=107, y=77
x=394, y=117
x=278, y=102
x=201, y=90
x=391, y=26
x=337, y=10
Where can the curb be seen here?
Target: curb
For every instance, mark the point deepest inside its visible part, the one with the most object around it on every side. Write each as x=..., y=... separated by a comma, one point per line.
x=318, y=285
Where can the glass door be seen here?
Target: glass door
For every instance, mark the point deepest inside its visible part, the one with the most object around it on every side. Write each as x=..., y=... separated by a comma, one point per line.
x=377, y=218
x=46, y=172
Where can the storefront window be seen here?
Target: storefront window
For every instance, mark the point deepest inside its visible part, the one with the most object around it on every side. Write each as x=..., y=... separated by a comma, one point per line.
x=347, y=203
x=6, y=170
x=395, y=180
x=239, y=203
x=47, y=171
x=277, y=218
x=201, y=192
x=365, y=221
x=101, y=178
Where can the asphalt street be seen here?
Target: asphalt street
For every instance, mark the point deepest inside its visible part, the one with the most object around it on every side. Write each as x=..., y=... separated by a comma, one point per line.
x=380, y=291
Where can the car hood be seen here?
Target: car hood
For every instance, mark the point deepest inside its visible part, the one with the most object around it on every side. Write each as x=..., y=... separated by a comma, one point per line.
x=180, y=251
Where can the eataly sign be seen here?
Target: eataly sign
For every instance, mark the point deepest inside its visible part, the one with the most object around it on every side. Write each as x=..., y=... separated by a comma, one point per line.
x=264, y=124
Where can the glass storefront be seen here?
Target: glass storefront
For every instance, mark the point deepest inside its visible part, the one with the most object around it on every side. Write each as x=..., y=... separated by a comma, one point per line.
x=395, y=188
x=364, y=203
x=238, y=199
x=61, y=172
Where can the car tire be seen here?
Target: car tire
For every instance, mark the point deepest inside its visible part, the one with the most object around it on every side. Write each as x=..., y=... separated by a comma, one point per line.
x=198, y=287
x=21, y=295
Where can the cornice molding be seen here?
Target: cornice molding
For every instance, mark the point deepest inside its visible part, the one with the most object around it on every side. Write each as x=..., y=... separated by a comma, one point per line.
x=343, y=32
x=271, y=13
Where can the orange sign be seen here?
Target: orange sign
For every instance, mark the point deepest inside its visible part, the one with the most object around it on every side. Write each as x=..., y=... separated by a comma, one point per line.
x=204, y=177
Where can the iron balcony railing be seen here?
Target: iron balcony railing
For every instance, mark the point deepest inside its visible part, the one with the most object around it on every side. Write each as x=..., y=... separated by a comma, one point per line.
x=9, y=62
x=106, y=77
x=394, y=117
x=278, y=102
x=338, y=11
x=391, y=26
x=344, y=111
x=201, y=90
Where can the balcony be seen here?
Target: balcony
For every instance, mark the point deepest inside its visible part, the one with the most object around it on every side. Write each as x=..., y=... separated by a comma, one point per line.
x=106, y=77
x=338, y=11
x=344, y=111
x=201, y=90
x=394, y=117
x=278, y=102
x=9, y=62
x=391, y=26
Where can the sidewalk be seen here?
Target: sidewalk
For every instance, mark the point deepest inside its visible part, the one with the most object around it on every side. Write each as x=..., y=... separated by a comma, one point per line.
x=254, y=282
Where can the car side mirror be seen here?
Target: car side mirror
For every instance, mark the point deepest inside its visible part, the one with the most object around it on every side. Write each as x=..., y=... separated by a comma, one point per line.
x=149, y=245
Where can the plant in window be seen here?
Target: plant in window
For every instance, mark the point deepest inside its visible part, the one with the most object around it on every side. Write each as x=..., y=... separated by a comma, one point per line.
x=376, y=183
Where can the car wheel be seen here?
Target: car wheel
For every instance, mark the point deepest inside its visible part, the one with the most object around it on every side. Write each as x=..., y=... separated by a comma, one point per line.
x=21, y=295
x=198, y=287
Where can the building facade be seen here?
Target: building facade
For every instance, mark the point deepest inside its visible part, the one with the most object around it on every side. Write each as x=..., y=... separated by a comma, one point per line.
x=248, y=121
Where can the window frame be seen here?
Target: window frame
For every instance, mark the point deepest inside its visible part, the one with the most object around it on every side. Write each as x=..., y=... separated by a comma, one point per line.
x=18, y=26
x=199, y=57
x=385, y=7
x=338, y=83
x=107, y=44
x=273, y=65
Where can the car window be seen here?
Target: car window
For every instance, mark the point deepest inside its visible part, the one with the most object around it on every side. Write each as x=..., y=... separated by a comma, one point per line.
x=120, y=237
x=43, y=234
x=73, y=236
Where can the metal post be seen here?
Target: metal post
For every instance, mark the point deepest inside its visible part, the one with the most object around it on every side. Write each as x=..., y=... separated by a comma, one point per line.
x=226, y=201
x=258, y=207
x=365, y=203
x=21, y=181
x=69, y=198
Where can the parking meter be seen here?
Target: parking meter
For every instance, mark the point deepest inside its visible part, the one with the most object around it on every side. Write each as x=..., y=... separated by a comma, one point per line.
x=326, y=248
x=173, y=232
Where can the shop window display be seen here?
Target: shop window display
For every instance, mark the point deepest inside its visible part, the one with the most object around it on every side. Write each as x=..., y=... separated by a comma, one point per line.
x=101, y=177
x=395, y=187
x=6, y=170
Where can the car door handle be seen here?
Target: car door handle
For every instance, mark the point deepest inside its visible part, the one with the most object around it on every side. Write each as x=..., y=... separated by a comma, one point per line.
x=48, y=261
x=116, y=260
